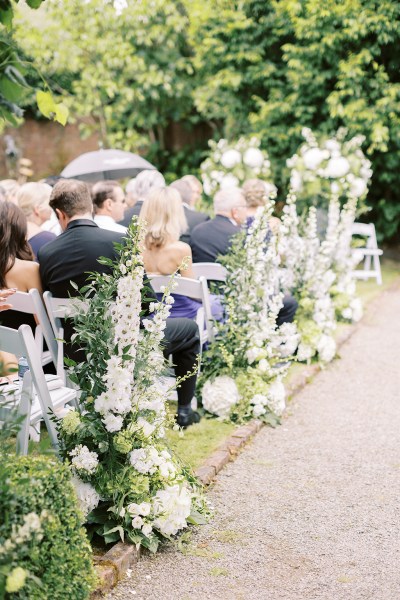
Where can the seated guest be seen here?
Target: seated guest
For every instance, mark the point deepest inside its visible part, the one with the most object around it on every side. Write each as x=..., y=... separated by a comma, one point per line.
x=255, y=193
x=193, y=217
x=164, y=252
x=140, y=188
x=18, y=271
x=76, y=252
x=195, y=186
x=213, y=237
x=109, y=205
x=33, y=200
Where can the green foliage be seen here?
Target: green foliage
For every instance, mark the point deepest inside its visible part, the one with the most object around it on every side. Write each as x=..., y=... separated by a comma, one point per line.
x=44, y=552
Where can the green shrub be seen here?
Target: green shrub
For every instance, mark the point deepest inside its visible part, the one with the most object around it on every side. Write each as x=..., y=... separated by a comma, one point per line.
x=44, y=552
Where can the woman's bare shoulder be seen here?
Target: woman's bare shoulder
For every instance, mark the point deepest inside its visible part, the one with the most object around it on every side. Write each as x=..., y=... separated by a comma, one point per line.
x=180, y=248
x=24, y=274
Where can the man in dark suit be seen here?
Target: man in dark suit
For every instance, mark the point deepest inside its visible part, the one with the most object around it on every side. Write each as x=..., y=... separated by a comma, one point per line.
x=193, y=217
x=76, y=252
x=214, y=237
x=138, y=189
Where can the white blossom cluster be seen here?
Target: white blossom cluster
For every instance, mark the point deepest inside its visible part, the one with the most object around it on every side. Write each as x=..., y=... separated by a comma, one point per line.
x=149, y=460
x=172, y=507
x=83, y=460
x=219, y=395
x=231, y=163
x=330, y=166
x=273, y=400
x=88, y=498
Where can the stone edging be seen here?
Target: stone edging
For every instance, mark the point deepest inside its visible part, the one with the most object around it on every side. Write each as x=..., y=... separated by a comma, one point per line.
x=112, y=567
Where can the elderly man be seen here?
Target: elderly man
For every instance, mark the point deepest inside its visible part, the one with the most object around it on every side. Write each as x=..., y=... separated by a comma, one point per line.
x=109, y=205
x=193, y=217
x=139, y=189
x=76, y=251
x=214, y=237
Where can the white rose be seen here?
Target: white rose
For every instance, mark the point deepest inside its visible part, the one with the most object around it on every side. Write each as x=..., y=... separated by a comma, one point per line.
x=230, y=158
x=144, y=509
x=253, y=157
x=312, y=158
x=147, y=529
x=137, y=522
x=337, y=167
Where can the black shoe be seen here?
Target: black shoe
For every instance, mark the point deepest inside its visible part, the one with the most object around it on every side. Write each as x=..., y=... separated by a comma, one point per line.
x=187, y=418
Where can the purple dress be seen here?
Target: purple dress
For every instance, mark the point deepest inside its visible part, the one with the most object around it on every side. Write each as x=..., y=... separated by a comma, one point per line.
x=40, y=239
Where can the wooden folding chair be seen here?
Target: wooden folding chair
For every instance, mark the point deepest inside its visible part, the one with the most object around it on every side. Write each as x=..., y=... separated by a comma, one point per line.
x=369, y=253
x=39, y=395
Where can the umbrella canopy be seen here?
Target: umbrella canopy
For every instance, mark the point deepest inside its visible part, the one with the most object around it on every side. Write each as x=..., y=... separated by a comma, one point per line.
x=105, y=164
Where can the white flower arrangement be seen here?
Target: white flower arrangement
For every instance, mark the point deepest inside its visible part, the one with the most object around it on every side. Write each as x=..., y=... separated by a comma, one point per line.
x=231, y=163
x=116, y=444
x=323, y=166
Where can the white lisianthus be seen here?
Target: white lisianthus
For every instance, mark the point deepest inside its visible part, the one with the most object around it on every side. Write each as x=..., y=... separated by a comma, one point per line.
x=253, y=157
x=113, y=423
x=231, y=158
x=137, y=522
x=147, y=529
x=83, y=460
x=88, y=498
x=326, y=348
x=220, y=395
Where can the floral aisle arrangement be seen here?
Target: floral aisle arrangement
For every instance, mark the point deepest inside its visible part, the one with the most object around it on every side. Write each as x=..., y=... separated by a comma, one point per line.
x=343, y=292
x=323, y=166
x=232, y=163
x=128, y=482
x=242, y=371
x=308, y=275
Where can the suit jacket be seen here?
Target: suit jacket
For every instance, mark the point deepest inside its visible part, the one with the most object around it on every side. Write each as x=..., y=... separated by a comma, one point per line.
x=73, y=253
x=193, y=218
x=130, y=212
x=212, y=238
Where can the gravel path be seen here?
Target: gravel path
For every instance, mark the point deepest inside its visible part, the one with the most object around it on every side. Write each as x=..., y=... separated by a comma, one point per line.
x=309, y=510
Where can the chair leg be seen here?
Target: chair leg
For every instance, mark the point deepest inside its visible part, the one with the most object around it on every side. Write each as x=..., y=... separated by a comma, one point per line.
x=23, y=434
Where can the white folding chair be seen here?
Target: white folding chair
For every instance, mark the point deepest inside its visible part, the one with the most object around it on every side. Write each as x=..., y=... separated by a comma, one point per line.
x=57, y=309
x=31, y=303
x=369, y=253
x=197, y=290
x=211, y=271
x=39, y=394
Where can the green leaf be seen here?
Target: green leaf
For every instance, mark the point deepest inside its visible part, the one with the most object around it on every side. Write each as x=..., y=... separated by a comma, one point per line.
x=34, y=3
x=62, y=113
x=46, y=104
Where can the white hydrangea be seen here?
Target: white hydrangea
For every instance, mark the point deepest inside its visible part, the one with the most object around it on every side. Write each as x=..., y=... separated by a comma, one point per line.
x=88, y=498
x=83, y=460
x=276, y=397
x=113, y=423
x=304, y=352
x=172, y=507
x=219, y=395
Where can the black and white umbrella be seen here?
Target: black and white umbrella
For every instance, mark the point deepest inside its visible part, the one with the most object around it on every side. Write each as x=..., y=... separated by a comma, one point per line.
x=105, y=164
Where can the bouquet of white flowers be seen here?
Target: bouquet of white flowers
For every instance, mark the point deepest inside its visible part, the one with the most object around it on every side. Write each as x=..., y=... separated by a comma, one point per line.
x=232, y=163
x=323, y=166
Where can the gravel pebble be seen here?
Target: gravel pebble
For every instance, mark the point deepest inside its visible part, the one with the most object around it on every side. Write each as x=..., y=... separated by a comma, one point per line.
x=309, y=510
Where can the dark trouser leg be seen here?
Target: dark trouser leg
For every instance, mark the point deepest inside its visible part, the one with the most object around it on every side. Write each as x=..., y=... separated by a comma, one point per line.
x=288, y=310
x=182, y=337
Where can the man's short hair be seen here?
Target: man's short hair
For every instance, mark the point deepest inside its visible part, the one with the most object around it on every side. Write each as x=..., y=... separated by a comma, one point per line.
x=72, y=197
x=103, y=190
x=228, y=198
x=184, y=190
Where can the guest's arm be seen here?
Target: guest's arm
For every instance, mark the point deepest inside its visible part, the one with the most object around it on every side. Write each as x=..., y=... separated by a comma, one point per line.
x=4, y=294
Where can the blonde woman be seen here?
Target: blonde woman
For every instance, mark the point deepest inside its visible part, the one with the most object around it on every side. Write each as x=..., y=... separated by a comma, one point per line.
x=162, y=211
x=33, y=199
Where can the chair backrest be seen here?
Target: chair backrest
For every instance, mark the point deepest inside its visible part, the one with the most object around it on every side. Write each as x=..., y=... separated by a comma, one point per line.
x=22, y=343
x=192, y=288
x=31, y=303
x=211, y=271
x=366, y=230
